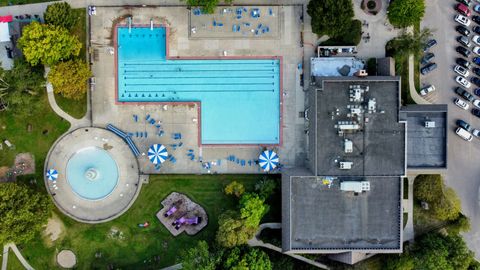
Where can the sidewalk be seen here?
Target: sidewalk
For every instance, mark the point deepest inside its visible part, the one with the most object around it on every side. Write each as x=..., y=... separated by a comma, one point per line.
x=17, y=253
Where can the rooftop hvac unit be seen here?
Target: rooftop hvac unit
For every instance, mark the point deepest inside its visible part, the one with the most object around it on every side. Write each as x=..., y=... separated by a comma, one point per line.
x=429, y=124
x=355, y=186
x=346, y=165
x=361, y=73
x=348, y=146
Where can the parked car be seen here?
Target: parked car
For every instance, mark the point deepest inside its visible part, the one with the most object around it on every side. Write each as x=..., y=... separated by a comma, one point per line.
x=464, y=134
x=462, y=20
x=463, y=51
x=428, y=68
x=462, y=104
x=462, y=62
x=476, y=29
x=461, y=71
x=463, y=9
x=477, y=91
x=430, y=43
x=427, y=58
x=427, y=89
x=476, y=50
x=476, y=71
x=462, y=30
x=463, y=82
x=465, y=2
x=464, y=41
x=476, y=112
x=464, y=124
x=476, y=18
x=476, y=133
x=476, y=103
x=464, y=94
x=476, y=60
x=476, y=8
x=475, y=80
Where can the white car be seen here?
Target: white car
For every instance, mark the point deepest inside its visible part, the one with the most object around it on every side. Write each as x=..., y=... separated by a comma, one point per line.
x=461, y=71
x=427, y=89
x=461, y=103
x=462, y=20
x=476, y=103
x=476, y=133
x=476, y=50
x=476, y=39
x=463, y=82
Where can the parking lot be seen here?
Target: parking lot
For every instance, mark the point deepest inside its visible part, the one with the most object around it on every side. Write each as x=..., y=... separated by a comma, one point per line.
x=463, y=173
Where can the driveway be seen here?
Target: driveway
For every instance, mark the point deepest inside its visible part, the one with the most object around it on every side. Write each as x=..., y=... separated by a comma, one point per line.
x=463, y=173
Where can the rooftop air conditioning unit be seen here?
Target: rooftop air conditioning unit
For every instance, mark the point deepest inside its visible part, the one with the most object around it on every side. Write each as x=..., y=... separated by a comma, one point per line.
x=361, y=73
x=355, y=186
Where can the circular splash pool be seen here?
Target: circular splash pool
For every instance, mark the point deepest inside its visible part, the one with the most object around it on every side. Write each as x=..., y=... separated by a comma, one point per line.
x=92, y=173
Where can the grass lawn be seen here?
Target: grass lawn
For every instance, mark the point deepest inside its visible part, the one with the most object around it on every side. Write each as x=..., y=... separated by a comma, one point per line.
x=140, y=245
x=423, y=221
x=14, y=128
x=401, y=69
x=13, y=262
x=77, y=108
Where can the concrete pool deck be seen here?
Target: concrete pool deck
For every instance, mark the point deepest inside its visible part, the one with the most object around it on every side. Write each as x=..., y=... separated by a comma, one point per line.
x=93, y=211
x=181, y=117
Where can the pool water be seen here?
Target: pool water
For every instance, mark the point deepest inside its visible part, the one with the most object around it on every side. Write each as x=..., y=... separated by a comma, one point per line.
x=239, y=98
x=92, y=173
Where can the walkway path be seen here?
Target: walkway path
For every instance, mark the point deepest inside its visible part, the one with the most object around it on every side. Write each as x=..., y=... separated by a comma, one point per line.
x=17, y=253
x=256, y=242
x=74, y=123
x=408, y=232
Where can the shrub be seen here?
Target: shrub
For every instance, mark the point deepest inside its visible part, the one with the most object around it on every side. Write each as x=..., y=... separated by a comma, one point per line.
x=235, y=188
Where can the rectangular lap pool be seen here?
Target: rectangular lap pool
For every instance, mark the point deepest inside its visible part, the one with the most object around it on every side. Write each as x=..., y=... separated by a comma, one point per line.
x=240, y=98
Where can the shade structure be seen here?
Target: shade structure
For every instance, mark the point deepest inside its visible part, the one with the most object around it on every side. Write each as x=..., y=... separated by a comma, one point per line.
x=52, y=174
x=157, y=153
x=268, y=160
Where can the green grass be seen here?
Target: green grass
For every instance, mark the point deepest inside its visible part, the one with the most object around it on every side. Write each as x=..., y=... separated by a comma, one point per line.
x=14, y=128
x=423, y=221
x=401, y=69
x=13, y=262
x=77, y=108
x=142, y=244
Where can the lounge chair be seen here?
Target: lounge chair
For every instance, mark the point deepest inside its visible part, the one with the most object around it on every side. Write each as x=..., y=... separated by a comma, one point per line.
x=147, y=117
x=170, y=212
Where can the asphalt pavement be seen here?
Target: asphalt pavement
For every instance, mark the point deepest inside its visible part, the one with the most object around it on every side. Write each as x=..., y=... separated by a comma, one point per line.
x=463, y=173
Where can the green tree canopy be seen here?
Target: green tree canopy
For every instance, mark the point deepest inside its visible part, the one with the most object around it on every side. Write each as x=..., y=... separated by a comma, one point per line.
x=331, y=17
x=70, y=78
x=46, y=44
x=199, y=258
x=60, y=14
x=208, y=6
x=22, y=87
x=265, y=187
x=247, y=259
x=24, y=212
x=235, y=188
x=442, y=200
x=404, y=13
x=408, y=43
x=233, y=231
x=252, y=209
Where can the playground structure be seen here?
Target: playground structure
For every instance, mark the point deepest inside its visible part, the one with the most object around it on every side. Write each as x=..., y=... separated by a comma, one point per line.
x=179, y=214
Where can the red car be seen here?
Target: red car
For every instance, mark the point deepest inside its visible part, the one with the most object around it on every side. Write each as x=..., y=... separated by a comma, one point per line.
x=463, y=9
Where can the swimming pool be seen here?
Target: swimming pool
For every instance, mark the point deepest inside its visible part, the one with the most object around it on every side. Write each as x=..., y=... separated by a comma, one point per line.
x=239, y=98
x=92, y=173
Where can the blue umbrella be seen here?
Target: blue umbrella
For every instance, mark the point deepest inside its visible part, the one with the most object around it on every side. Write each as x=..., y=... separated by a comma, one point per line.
x=268, y=160
x=157, y=153
x=52, y=174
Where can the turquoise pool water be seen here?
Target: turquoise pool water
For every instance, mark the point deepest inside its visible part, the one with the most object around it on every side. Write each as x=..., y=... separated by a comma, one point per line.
x=92, y=173
x=240, y=99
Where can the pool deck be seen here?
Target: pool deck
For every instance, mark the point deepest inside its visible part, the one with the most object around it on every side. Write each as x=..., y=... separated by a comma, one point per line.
x=184, y=118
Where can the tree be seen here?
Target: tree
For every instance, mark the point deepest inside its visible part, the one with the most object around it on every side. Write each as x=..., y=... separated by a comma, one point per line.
x=232, y=231
x=208, y=6
x=252, y=209
x=408, y=43
x=247, y=259
x=461, y=224
x=235, y=188
x=199, y=258
x=70, y=78
x=265, y=187
x=24, y=212
x=23, y=85
x=47, y=44
x=404, y=13
x=331, y=17
x=399, y=262
x=60, y=14
x=437, y=251
x=442, y=200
